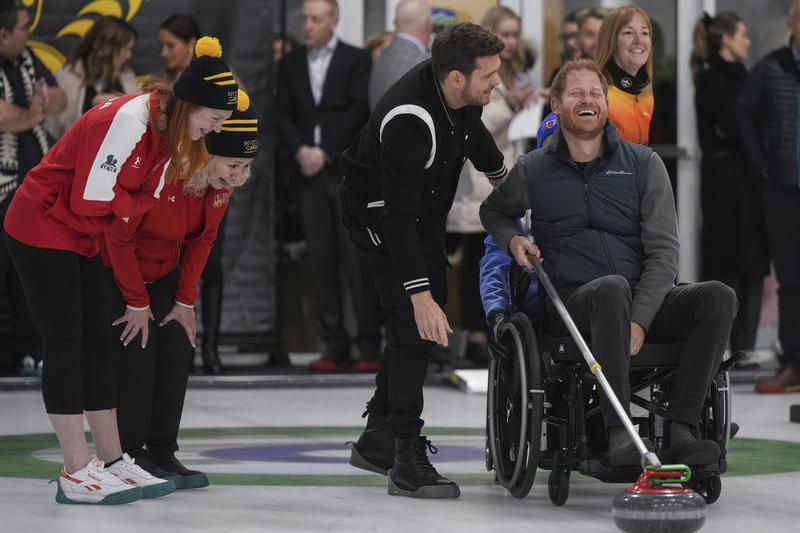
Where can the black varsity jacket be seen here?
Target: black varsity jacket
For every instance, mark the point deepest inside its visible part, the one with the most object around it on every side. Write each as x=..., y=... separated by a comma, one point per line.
x=402, y=170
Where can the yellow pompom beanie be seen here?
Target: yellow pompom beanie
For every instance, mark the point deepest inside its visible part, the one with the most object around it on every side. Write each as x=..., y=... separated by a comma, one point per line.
x=208, y=81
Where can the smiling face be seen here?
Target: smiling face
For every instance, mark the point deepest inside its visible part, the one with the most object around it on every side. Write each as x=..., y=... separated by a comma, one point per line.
x=633, y=45
x=508, y=30
x=176, y=53
x=203, y=120
x=228, y=171
x=477, y=88
x=582, y=108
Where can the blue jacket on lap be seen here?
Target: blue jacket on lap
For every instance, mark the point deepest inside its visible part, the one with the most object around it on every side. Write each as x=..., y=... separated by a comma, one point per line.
x=495, y=266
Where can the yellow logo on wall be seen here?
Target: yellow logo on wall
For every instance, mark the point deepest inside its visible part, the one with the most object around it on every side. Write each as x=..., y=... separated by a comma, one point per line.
x=52, y=58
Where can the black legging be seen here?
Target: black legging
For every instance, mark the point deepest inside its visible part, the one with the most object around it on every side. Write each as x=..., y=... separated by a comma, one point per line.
x=151, y=382
x=67, y=298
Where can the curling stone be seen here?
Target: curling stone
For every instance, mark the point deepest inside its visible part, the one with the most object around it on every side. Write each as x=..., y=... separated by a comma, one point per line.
x=649, y=506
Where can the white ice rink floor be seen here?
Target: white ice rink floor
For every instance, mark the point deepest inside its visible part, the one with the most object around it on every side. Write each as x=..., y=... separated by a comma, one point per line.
x=277, y=462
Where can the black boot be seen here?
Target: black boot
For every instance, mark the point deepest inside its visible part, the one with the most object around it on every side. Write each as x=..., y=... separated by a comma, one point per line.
x=191, y=479
x=683, y=445
x=143, y=461
x=622, y=451
x=374, y=450
x=413, y=475
x=211, y=302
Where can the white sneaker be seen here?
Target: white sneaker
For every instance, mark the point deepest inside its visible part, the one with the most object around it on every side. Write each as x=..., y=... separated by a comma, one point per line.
x=92, y=484
x=152, y=486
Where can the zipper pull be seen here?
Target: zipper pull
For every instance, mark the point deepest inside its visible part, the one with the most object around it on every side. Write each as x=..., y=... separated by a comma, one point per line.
x=586, y=193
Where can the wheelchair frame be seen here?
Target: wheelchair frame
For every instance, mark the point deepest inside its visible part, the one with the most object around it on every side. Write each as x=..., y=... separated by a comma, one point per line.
x=543, y=412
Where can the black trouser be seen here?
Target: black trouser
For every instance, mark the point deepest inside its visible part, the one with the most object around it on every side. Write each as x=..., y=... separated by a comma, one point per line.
x=66, y=295
x=399, y=382
x=700, y=314
x=26, y=339
x=330, y=254
x=782, y=211
x=151, y=382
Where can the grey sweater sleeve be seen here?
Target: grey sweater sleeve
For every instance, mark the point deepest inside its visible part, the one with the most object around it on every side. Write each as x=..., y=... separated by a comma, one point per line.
x=507, y=203
x=660, y=244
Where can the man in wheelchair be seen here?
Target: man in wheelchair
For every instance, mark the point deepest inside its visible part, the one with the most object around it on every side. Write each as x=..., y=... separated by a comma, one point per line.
x=603, y=219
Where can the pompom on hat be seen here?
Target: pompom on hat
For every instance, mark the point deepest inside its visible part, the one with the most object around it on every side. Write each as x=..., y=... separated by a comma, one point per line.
x=208, y=81
x=239, y=134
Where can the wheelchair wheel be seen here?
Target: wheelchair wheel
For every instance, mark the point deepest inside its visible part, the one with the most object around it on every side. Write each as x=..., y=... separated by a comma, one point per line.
x=515, y=406
x=558, y=485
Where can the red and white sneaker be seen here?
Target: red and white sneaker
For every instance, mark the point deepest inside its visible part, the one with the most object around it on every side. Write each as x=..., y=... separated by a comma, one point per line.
x=152, y=487
x=92, y=484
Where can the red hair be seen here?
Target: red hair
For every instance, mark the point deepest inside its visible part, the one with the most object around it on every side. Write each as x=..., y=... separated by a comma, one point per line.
x=187, y=156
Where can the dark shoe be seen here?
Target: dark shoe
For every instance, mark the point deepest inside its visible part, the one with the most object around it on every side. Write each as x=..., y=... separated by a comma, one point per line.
x=413, y=475
x=787, y=380
x=683, y=445
x=144, y=461
x=211, y=312
x=192, y=479
x=622, y=451
x=375, y=448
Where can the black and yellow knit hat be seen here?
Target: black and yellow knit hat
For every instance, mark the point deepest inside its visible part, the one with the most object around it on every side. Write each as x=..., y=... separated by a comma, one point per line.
x=208, y=81
x=239, y=134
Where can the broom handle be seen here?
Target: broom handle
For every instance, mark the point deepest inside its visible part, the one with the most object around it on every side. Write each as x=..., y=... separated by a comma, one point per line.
x=594, y=366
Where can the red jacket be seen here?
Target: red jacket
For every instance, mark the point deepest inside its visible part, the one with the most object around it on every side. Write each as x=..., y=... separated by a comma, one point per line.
x=180, y=229
x=109, y=164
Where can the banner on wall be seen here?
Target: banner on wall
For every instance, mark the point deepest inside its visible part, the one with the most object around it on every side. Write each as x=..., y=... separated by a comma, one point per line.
x=245, y=29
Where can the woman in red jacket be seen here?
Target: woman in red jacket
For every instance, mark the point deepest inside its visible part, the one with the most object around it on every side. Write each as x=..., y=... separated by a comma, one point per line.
x=157, y=260
x=110, y=164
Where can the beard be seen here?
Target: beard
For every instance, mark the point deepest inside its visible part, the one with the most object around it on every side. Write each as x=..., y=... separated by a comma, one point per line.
x=582, y=128
x=470, y=99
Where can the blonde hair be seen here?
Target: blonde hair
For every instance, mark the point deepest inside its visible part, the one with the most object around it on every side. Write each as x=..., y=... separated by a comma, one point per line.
x=492, y=19
x=197, y=183
x=607, y=40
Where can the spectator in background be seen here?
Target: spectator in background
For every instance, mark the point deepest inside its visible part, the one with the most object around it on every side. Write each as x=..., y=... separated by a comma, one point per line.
x=734, y=241
x=463, y=223
x=413, y=25
x=28, y=94
x=590, y=20
x=377, y=43
x=625, y=56
x=177, y=36
x=97, y=70
x=322, y=104
x=769, y=121
x=570, y=42
x=282, y=46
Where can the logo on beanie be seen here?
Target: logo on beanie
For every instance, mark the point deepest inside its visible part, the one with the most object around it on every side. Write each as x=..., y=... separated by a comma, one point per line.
x=233, y=97
x=110, y=164
x=251, y=146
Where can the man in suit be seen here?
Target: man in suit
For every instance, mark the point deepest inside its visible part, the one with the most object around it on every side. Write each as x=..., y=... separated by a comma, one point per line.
x=409, y=46
x=322, y=104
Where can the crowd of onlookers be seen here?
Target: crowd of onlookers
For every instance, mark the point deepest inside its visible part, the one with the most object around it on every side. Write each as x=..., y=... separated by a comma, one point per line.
x=325, y=89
